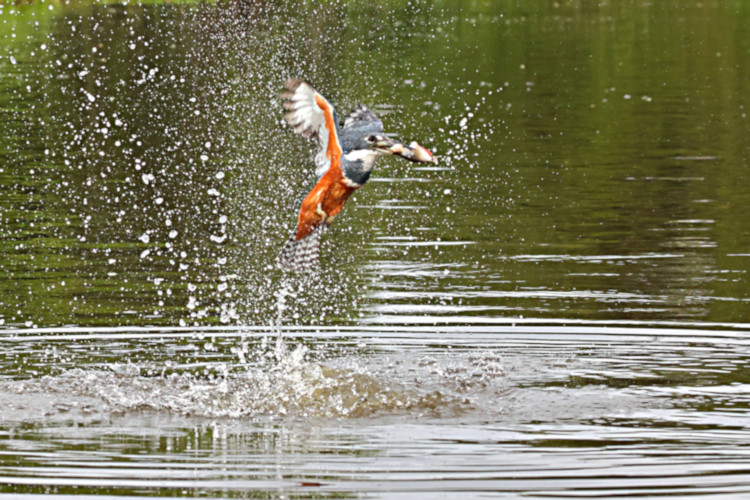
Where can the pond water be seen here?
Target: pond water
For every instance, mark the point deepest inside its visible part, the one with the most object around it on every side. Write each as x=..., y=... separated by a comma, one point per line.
x=560, y=307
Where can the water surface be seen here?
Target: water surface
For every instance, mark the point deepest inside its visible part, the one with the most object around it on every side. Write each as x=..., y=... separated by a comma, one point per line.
x=559, y=308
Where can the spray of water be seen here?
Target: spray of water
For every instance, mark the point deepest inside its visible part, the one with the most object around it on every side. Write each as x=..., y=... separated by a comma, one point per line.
x=174, y=182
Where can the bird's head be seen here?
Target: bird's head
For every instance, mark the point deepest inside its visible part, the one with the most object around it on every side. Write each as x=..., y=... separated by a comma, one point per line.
x=367, y=147
x=377, y=143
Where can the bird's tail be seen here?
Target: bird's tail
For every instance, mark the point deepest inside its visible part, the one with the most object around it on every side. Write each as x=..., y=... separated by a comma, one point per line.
x=301, y=255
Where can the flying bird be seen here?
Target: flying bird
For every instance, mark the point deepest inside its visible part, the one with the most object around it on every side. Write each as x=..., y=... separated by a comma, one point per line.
x=344, y=162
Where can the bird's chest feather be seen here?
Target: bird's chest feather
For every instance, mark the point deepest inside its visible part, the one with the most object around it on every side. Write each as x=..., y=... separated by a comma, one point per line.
x=324, y=202
x=357, y=166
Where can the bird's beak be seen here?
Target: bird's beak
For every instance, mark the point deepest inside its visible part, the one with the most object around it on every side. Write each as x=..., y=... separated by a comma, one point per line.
x=384, y=145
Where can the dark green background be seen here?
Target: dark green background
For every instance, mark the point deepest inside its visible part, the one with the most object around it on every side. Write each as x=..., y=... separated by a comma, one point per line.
x=601, y=171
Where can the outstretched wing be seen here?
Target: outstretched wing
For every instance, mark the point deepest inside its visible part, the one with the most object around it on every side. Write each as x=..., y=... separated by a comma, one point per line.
x=360, y=115
x=313, y=116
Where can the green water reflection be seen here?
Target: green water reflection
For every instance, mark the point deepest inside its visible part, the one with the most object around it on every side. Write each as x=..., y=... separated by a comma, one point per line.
x=594, y=162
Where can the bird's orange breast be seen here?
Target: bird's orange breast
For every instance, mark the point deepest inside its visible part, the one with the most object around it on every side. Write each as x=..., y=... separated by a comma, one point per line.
x=326, y=200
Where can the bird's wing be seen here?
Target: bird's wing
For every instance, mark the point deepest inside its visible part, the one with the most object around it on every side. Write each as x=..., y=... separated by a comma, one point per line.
x=313, y=116
x=363, y=116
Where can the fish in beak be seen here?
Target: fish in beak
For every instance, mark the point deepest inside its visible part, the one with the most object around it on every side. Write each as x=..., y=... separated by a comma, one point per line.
x=413, y=152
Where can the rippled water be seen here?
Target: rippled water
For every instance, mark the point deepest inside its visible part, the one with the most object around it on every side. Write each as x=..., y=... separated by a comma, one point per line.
x=559, y=308
x=436, y=411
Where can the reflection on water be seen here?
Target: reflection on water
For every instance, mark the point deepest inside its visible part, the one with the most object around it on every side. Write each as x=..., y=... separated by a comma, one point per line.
x=560, y=308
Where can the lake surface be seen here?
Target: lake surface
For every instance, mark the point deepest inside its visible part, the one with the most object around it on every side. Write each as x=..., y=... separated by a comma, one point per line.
x=559, y=308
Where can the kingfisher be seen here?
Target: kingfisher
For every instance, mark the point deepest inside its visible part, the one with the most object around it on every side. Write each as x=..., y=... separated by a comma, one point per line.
x=344, y=162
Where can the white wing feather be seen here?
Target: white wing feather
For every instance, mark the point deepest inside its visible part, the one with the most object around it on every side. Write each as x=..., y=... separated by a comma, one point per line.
x=308, y=118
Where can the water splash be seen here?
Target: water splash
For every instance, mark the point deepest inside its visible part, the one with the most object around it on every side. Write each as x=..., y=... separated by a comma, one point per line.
x=275, y=384
x=281, y=307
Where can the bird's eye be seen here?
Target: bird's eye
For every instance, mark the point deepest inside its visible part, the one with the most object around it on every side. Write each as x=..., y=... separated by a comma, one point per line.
x=372, y=138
